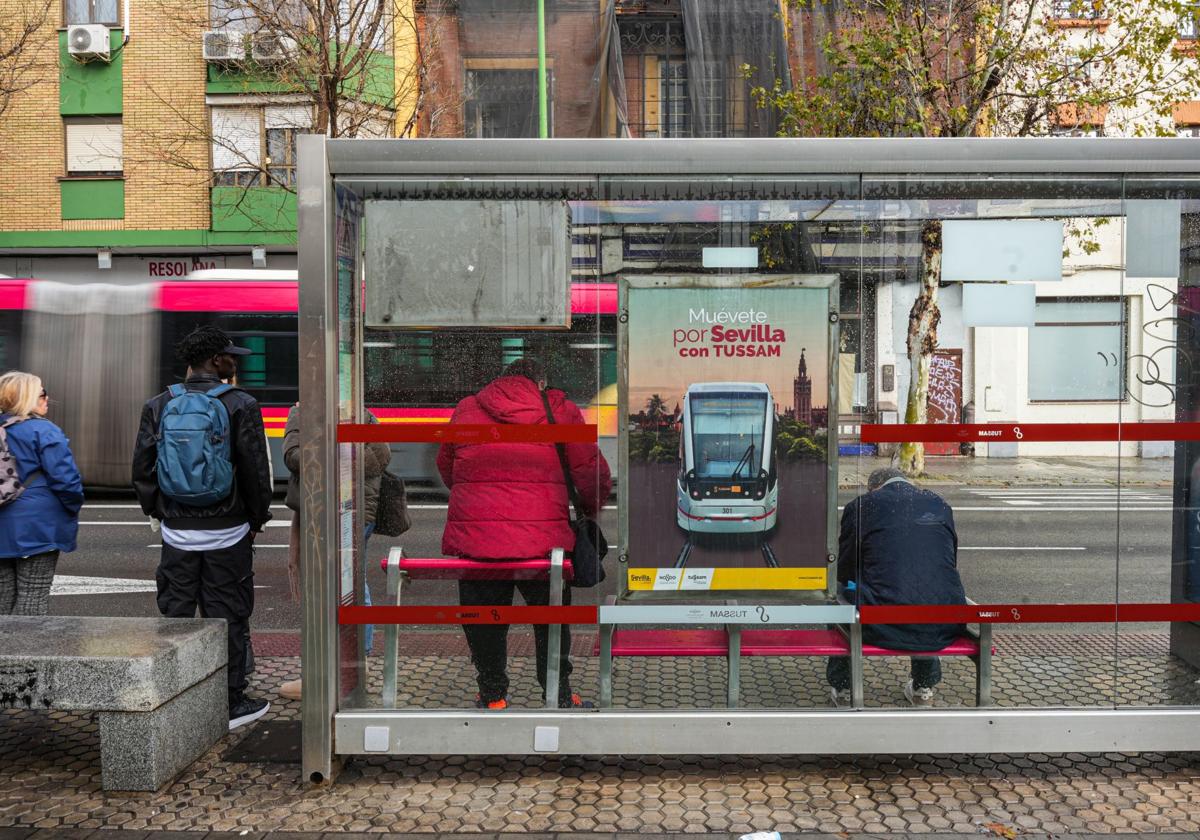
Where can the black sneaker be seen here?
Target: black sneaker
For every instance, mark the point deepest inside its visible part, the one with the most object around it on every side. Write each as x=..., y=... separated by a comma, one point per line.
x=246, y=710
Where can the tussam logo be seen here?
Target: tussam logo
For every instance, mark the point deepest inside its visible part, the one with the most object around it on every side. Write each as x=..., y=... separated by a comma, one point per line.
x=698, y=578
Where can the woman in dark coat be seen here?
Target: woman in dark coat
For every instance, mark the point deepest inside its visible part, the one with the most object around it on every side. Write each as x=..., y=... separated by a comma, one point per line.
x=44, y=519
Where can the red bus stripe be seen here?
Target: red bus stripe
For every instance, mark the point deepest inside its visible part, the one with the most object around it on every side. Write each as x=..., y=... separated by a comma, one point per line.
x=13, y=294
x=464, y=433
x=468, y=615
x=1014, y=432
x=1028, y=613
x=260, y=296
x=283, y=296
x=594, y=299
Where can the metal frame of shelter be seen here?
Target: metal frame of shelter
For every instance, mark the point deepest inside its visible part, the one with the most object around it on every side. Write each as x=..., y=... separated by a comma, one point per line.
x=330, y=732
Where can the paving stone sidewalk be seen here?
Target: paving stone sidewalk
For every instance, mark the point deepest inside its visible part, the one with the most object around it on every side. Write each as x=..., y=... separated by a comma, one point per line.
x=50, y=775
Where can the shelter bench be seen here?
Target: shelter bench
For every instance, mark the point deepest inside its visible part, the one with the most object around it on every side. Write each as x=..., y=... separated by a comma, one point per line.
x=556, y=568
x=734, y=643
x=158, y=685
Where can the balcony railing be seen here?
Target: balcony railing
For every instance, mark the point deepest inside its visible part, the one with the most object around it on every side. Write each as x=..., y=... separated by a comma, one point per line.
x=1078, y=9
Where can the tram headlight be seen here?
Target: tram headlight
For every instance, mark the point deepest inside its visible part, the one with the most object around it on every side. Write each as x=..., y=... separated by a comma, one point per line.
x=695, y=494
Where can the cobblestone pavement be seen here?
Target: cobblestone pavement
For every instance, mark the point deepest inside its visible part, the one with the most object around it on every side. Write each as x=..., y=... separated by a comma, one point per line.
x=50, y=775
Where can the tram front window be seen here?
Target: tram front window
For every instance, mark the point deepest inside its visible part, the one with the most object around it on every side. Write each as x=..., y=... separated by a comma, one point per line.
x=728, y=435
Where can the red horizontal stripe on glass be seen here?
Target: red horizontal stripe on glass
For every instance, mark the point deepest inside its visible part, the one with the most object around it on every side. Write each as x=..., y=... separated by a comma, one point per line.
x=468, y=615
x=1027, y=613
x=262, y=296
x=1025, y=432
x=464, y=433
x=12, y=293
x=1158, y=612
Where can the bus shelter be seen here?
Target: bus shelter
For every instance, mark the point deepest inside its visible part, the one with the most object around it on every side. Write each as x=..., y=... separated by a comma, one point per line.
x=750, y=329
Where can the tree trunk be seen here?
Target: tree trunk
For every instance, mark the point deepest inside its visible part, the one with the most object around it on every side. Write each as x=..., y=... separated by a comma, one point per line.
x=923, y=321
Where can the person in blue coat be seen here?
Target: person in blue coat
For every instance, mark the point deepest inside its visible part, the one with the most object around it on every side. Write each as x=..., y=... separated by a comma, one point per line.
x=42, y=521
x=898, y=546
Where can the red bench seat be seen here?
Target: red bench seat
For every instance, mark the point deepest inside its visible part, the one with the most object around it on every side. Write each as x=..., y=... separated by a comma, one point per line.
x=457, y=568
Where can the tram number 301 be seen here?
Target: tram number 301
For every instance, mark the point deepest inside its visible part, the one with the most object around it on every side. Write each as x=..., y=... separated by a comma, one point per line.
x=726, y=510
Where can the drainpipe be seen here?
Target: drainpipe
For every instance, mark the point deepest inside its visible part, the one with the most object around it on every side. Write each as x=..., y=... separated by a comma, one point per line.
x=543, y=116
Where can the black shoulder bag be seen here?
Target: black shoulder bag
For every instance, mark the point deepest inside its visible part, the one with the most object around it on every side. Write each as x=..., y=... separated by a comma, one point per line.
x=587, y=560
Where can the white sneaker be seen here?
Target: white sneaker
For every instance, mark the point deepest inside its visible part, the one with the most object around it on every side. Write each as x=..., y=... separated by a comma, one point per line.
x=918, y=696
x=841, y=699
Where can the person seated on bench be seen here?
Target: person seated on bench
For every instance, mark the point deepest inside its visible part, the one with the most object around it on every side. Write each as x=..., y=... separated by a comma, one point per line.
x=898, y=546
x=509, y=501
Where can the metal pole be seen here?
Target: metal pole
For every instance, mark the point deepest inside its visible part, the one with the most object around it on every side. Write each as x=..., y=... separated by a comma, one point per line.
x=543, y=115
x=318, y=546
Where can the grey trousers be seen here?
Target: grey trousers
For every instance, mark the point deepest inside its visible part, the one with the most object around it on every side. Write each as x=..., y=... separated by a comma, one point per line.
x=25, y=583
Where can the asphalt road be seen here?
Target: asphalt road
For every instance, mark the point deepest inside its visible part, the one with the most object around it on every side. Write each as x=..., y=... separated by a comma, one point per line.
x=1017, y=545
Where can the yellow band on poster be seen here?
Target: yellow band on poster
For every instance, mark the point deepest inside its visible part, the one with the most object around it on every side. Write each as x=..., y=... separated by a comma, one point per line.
x=693, y=580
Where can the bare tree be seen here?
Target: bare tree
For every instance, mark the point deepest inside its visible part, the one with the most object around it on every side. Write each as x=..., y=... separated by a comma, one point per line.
x=350, y=68
x=962, y=68
x=26, y=52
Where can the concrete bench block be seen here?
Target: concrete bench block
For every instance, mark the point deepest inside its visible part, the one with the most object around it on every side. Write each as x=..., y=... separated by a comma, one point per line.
x=145, y=750
x=158, y=684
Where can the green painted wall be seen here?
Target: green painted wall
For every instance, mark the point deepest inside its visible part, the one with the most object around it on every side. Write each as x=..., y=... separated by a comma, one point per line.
x=238, y=80
x=250, y=209
x=377, y=86
x=93, y=199
x=91, y=89
x=22, y=239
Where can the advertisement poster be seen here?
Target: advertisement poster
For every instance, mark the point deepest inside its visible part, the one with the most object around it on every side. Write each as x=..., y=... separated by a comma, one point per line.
x=727, y=396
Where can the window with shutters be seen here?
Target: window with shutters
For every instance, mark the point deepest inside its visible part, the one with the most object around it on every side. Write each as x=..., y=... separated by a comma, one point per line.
x=255, y=145
x=94, y=146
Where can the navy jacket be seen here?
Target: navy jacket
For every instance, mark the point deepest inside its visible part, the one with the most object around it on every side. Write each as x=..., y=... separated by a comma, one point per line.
x=900, y=547
x=46, y=516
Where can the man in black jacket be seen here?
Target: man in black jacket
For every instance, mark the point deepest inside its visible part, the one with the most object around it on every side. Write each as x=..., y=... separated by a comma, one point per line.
x=898, y=546
x=208, y=551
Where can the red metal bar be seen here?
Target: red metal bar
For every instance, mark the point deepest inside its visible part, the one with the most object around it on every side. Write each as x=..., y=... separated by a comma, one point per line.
x=469, y=615
x=1014, y=432
x=989, y=614
x=1028, y=613
x=465, y=433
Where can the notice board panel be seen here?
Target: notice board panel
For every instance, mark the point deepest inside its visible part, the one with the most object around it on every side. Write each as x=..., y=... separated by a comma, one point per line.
x=726, y=398
x=468, y=263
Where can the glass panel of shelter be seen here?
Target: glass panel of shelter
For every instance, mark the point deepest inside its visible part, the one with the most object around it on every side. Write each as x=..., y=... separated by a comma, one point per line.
x=1031, y=341
x=481, y=501
x=1035, y=507
x=1157, y=663
x=728, y=322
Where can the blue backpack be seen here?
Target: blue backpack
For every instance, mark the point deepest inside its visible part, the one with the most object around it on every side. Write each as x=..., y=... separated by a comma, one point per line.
x=194, y=465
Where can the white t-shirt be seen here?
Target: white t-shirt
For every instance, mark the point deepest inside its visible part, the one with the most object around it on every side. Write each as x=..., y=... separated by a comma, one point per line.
x=198, y=540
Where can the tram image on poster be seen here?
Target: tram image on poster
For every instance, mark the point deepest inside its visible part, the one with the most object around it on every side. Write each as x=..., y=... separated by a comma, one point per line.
x=727, y=429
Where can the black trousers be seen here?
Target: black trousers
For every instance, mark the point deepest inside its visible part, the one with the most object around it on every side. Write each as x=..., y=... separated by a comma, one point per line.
x=489, y=642
x=220, y=584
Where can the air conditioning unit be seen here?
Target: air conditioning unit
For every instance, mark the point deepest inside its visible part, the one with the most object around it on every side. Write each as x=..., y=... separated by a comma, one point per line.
x=88, y=41
x=224, y=46
x=269, y=46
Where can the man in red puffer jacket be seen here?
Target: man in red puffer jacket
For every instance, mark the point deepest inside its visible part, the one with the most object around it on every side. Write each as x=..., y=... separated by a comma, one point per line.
x=508, y=501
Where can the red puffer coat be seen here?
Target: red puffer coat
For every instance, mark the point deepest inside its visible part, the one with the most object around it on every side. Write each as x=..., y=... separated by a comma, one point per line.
x=508, y=501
